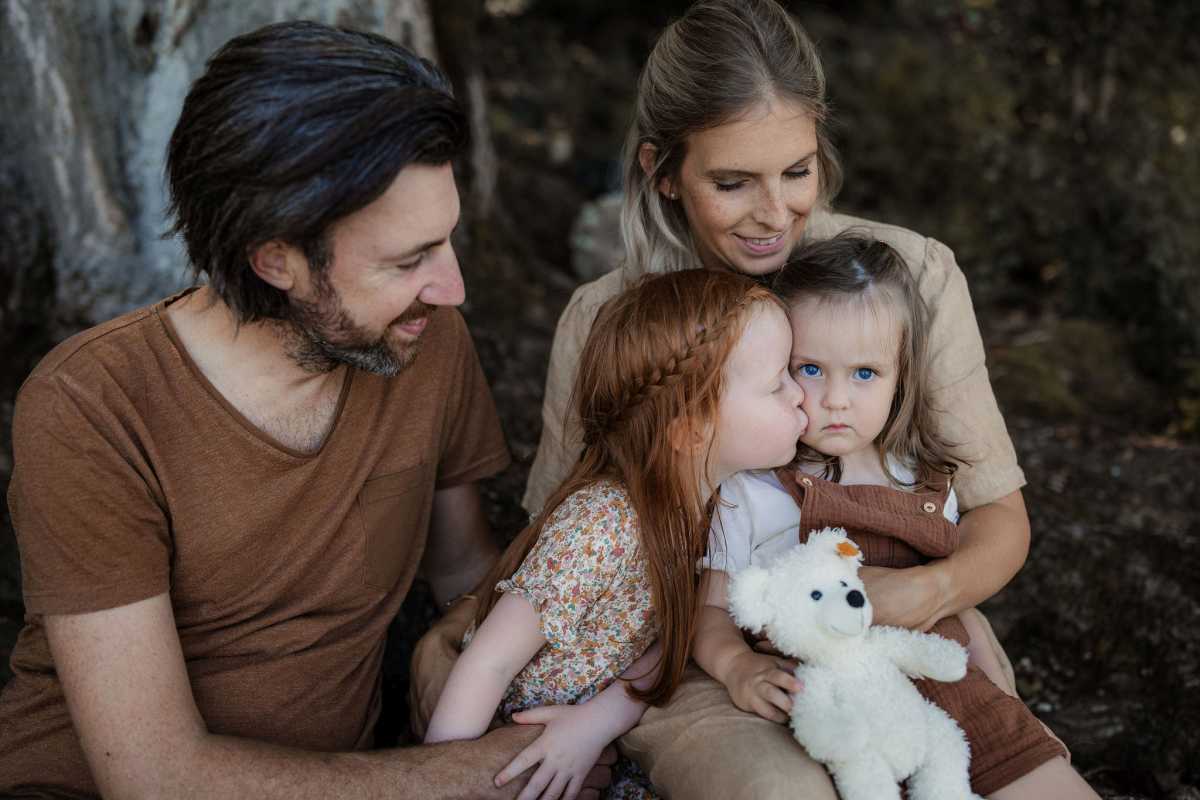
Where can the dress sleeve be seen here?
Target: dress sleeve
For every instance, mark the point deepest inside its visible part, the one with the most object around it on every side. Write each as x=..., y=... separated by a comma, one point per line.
x=86, y=507
x=589, y=545
x=962, y=394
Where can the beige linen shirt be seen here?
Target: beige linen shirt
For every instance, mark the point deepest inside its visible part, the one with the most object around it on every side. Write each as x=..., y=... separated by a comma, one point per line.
x=969, y=415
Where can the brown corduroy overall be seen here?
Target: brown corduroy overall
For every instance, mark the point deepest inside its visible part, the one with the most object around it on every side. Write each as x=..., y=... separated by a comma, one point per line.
x=901, y=529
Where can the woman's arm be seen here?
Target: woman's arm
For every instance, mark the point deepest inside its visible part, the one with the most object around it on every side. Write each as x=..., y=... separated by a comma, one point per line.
x=757, y=682
x=505, y=642
x=993, y=544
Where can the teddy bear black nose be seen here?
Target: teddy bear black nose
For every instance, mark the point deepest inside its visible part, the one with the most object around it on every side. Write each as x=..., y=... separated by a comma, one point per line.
x=855, y=599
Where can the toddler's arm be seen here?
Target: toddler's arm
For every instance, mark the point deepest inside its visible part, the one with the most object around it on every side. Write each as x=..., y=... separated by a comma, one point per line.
x=756, y=682
x=505, y=642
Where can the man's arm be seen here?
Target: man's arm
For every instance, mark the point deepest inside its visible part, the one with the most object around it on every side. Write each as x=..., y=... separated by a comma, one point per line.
x=461, y=548
x=127, y=688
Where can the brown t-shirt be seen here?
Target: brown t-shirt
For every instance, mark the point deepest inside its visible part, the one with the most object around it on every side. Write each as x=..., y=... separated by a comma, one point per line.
x=133, y=476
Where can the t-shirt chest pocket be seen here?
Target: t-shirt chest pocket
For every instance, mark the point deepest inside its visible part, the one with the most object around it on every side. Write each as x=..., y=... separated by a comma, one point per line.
x=395, y=512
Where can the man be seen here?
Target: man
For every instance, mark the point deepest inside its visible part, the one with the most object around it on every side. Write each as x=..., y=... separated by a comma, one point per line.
x=221, y=500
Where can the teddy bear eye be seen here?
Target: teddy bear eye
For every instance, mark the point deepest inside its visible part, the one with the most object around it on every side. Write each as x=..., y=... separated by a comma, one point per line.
x=843, y=583
x=816, y=594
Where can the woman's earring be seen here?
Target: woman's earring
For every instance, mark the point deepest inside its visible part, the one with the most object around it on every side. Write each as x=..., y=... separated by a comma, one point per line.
x=674, y=196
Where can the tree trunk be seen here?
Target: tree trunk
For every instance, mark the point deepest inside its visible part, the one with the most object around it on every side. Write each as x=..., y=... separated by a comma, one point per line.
x=91, y=91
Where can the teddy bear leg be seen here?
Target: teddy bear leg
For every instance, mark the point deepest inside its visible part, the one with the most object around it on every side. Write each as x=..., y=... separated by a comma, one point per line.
x=867, y=777
x=945, y=774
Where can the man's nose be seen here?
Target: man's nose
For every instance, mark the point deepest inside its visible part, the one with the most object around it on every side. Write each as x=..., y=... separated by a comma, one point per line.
x=445, y=286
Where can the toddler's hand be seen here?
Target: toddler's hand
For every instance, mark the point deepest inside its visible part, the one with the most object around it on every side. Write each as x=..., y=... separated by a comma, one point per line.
x=569, y=747
x=761, y=684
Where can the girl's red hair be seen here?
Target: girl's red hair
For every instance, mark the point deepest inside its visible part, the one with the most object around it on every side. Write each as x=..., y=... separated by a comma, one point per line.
x=653, y=364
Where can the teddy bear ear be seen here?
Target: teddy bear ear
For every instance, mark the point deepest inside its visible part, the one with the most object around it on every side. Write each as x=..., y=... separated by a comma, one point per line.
x=835, y=542
x=748, y=598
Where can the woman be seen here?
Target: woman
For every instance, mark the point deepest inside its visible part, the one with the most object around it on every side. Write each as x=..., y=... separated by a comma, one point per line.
x=728, y=166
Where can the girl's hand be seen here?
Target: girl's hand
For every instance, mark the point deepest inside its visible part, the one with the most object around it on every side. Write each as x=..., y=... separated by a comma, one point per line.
x=568, y=748
x=906, y=598
x=760, y=684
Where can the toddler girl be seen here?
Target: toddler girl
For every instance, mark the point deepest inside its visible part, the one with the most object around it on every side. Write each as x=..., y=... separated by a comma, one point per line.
x=683, y=382
x=871, y=462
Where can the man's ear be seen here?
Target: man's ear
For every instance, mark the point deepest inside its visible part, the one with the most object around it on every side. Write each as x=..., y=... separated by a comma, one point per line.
x=276, y=263
x=647, y=155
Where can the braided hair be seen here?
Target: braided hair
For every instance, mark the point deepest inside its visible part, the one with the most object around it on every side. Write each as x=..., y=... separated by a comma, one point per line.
x=653, y=363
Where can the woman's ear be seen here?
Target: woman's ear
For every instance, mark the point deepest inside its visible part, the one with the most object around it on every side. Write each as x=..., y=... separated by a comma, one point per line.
x=274, y=262
x=647, y=155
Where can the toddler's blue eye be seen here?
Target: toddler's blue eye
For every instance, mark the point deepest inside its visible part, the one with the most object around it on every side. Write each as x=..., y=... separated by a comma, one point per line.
x=816, y=594
x=809, y=370
x=864, y=373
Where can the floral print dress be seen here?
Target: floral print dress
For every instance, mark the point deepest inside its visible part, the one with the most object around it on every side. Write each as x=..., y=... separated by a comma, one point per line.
x=586, y=578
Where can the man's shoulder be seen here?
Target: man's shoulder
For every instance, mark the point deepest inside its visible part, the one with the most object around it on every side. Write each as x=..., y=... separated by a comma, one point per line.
x=117, y=339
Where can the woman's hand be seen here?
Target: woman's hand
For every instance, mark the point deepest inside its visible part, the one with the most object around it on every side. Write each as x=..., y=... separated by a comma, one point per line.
x=761, y=684
x=906, y=598
x=572, y=743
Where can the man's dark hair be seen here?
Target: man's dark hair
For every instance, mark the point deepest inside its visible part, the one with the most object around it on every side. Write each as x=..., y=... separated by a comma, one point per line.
x=289, y=129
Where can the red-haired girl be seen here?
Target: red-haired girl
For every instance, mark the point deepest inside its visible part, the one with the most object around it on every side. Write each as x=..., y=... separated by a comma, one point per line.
x=683, y=382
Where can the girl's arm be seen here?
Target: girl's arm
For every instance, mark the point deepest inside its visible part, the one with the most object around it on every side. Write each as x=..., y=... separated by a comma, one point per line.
x=757, y=682
x=505, y=642
x=993, y=544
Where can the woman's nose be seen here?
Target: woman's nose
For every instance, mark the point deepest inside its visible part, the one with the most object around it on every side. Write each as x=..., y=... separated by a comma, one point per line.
x=772, y=210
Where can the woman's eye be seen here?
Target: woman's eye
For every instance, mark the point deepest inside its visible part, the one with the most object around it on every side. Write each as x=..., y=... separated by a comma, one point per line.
x=796, y=174
x=864, y=373
x=816, y=594
x=729, y=187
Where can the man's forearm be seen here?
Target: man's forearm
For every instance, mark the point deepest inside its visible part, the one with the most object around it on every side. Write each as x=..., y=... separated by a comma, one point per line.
x=222, y=766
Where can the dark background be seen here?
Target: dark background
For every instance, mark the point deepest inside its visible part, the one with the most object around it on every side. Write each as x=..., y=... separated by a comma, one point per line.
x=1056, y=148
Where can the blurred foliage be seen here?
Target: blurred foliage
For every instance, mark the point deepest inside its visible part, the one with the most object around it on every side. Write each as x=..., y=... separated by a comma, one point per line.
x=1055, y=148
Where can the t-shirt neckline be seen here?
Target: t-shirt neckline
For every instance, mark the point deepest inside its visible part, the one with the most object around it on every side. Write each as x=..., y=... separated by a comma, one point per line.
x=159, y=309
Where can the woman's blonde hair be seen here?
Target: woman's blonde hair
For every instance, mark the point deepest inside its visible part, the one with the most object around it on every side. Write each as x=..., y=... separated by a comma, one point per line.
x=852, y=267
x=718, y=61
x=653, y=366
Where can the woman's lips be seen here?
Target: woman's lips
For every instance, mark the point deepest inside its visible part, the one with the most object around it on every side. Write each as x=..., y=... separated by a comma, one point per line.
x=762, y=245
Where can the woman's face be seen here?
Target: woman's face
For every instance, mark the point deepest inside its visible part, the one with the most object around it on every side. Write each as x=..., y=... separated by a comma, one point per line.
x=748, y=187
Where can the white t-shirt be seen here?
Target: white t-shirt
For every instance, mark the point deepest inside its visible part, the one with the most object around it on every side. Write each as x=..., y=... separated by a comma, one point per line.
x=757, y=520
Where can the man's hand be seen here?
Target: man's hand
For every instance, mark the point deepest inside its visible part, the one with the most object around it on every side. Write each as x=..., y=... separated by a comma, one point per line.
x=432, y=660
x=761, y=684
x=573, y=745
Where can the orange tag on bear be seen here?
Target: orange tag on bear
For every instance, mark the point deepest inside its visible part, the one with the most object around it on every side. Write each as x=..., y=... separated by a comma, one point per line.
x=847, y=549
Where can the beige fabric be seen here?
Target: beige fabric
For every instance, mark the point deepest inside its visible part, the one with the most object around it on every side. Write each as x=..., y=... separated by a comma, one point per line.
x=701, y=746
x=970, y=415
x=133, y=477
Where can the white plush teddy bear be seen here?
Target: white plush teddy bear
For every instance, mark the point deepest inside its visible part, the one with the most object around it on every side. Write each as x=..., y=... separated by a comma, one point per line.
x=858, y=712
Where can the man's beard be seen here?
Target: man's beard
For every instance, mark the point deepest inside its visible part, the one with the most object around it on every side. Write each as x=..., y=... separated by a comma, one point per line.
x=321, y=335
